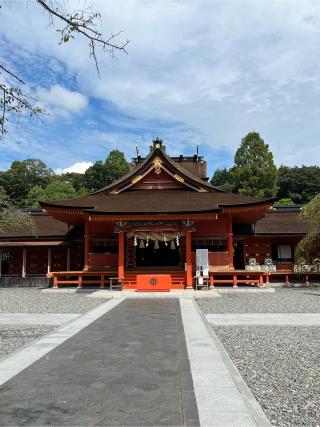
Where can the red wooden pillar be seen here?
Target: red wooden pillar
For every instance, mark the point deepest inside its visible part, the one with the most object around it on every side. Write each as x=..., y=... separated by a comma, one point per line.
x=86, y=247
x=121, y=255
x=188, y=260
x=230, y=243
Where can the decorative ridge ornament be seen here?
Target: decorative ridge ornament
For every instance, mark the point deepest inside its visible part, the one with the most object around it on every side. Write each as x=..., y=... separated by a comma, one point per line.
x=178, y=178
x=135, y=179
x=157, y=165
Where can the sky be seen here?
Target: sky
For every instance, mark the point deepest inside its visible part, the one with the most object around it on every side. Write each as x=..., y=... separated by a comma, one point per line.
x=200, y=72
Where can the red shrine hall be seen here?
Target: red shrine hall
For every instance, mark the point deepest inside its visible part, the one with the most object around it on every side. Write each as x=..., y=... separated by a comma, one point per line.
x=143, y=232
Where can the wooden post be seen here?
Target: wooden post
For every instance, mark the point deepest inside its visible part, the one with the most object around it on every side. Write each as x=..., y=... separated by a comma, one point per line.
x=235, y=281
x=211, y=281
x=189, y=260
x=230, y=243
x=86, y=247
x=0, y=262
x=49, y=261
x=68, y=259
x=261, y=284
x=121, y=255
x=24, y=262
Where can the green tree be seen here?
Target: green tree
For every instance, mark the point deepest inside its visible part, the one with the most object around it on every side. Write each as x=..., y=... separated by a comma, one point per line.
x=223, y=178
x=23, y=176
x=254, y=172
x=310, y=217
x=56, y=190
x=12, y=219
x=300, y=184
x=74, y=178
x=284, y=202
x=116, y=164
x=102, y=174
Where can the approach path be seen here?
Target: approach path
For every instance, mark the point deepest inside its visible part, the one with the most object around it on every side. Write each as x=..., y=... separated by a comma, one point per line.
x=128, y=367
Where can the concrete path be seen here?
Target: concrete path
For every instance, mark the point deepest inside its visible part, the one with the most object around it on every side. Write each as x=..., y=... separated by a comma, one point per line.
x=272, y=319
x=129, y=367
x=223, y=399
x=15, y=363
x=28, y=319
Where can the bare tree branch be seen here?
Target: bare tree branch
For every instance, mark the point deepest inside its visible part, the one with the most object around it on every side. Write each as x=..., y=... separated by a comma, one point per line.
x=82, y=22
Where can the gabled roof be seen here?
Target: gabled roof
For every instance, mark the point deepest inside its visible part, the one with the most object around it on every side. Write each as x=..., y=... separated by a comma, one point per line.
x=158, y=185
x=159, y=160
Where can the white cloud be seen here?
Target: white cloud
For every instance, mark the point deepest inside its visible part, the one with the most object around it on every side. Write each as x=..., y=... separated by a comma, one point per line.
x=221, y=68
x=62, y=101
x=79, y=167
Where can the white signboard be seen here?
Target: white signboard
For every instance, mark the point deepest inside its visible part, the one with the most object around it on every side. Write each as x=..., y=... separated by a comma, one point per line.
x=202, y=259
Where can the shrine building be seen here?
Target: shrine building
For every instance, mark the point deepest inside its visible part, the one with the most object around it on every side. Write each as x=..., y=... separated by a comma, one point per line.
x=144, y=231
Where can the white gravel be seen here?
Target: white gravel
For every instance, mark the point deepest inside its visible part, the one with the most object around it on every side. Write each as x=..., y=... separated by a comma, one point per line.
x=12, y=338
x=32, y=300
x=292, y=300
x=281, y=366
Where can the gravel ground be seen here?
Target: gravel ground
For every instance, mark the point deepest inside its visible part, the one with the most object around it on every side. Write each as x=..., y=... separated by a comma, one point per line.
x=300, y=300
x=32, y=300
x=12, y=338
x=281, y=366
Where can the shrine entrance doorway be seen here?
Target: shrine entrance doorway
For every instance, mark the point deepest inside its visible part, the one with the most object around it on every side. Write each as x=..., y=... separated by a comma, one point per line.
x=158, y=255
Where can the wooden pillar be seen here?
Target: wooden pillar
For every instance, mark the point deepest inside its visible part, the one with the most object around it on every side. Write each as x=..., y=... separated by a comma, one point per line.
x=86, y=247
x=121, y=255
x=0, y=262
x=24, y=262
x=49, y=261
x=188, y=260
x=68, y=259
x=230, y=243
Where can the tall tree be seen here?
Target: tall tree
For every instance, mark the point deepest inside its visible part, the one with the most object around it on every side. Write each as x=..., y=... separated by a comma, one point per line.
x=116, y=164
x=23, y=176
x=310, y=217
x=102, y=174
x=254, y=172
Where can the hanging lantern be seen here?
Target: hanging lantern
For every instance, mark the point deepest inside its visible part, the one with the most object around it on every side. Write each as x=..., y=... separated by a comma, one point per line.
x=177, y=240
x=172, y=245
x=141, y=246
x=165, y=240
x=135, y=241
x=147, y=242
x=156, y=244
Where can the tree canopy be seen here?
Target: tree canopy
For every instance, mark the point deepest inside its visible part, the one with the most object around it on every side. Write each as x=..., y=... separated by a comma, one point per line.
x=11, y=218
x=23, y=176
x=300, y=184
x=54, y=191
x=254, y=172
x=310, y=216
x=102, y=174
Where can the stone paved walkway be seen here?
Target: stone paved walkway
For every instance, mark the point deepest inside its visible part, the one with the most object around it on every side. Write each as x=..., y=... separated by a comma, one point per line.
x=129, y=367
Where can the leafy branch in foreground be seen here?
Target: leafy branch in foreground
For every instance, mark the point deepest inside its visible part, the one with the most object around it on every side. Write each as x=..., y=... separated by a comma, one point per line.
x=83, y=23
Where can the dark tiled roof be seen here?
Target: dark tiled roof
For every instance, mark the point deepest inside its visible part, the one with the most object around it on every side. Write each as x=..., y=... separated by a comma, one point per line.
x=282, y=221
x=46, y=226
x=157, y=201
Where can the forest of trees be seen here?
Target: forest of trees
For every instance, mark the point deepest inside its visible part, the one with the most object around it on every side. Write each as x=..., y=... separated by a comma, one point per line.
x=254, y=173
x=30, y=180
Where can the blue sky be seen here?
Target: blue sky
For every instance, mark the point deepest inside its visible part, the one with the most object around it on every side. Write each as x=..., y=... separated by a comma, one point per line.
x=198, y=72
